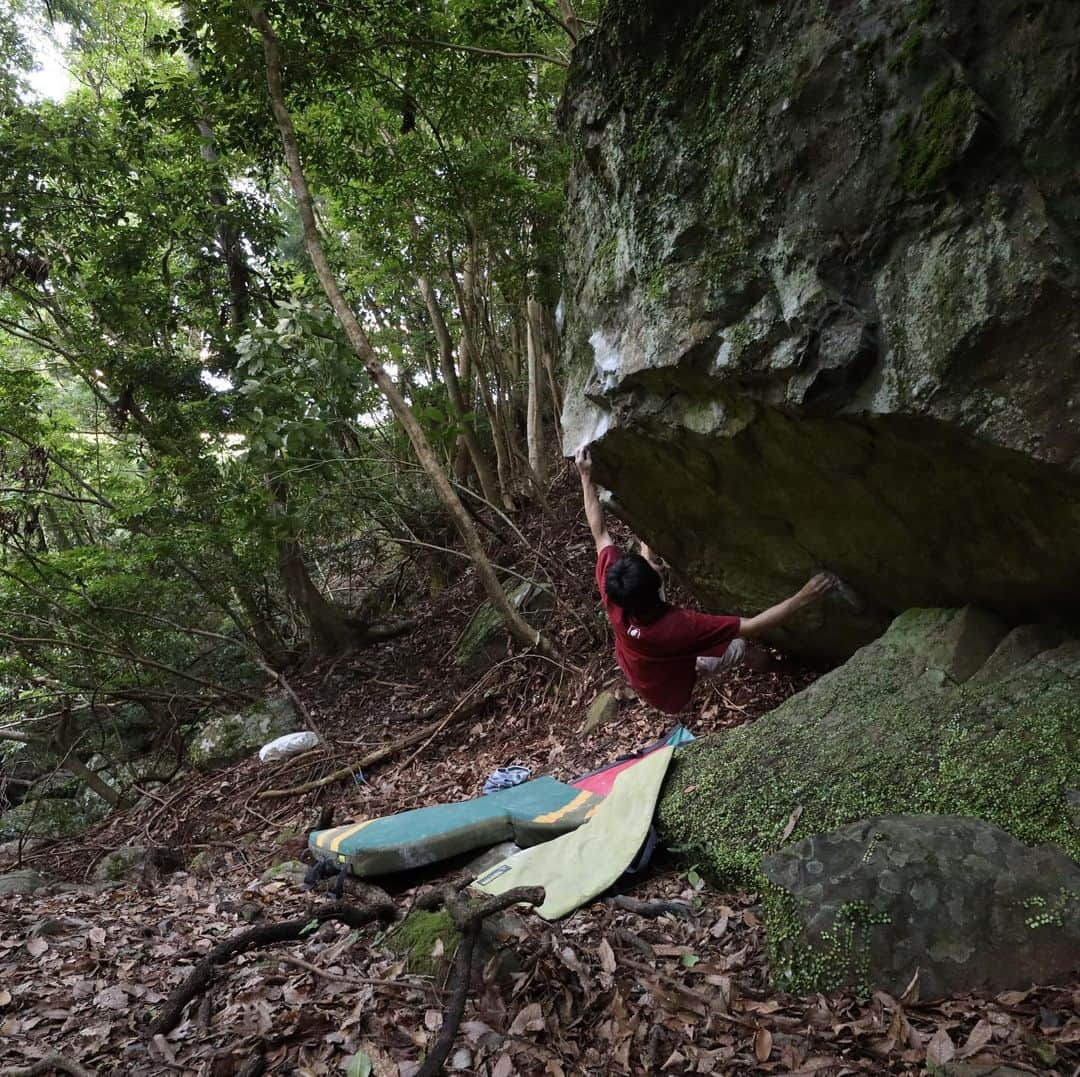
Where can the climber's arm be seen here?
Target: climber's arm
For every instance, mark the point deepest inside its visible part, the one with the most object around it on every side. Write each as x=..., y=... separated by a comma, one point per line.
x=593, y=511
x=814, y=591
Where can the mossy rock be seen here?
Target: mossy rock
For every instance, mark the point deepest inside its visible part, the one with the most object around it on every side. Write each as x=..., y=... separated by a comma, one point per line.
x=227, y=738
x=289, y=871
x=531, y=600
x=955, y=899
x=22, y=882
x=947, y=713
x=119, y=864
x=415, y=939
x=51, y=817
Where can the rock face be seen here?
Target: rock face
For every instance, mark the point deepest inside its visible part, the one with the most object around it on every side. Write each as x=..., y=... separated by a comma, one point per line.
x=958, y=900
x=948, y=713
x=225, y=738
x=25, y=881
x=823, y=297
x=476, y=648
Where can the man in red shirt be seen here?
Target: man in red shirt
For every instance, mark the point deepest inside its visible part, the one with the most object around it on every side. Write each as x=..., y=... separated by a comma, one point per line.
x=663, y=649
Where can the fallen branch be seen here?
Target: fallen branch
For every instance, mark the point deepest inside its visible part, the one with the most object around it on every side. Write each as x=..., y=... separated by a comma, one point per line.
x=52, y=1061
x=344, y=978
x=468, y=919
x=202, y=974
x=380, y=755
x=651, y=909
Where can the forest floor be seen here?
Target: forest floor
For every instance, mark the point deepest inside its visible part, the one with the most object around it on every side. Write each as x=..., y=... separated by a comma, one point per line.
x=84, y=966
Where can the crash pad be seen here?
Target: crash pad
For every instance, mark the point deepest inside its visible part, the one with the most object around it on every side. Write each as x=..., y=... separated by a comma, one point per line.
x=526, y=814
x=601, y=780
x=576, y=867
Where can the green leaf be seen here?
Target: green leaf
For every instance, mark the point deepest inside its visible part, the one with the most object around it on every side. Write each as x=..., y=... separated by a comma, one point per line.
x=690, y=960
x=309, y=927
x=693, y=878
x=359, y=1065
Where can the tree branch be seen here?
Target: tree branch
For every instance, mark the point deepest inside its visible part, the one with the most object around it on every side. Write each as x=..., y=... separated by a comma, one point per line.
x=202, y=974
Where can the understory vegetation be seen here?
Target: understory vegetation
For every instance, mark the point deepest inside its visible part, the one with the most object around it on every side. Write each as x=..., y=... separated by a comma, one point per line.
x=202, y=480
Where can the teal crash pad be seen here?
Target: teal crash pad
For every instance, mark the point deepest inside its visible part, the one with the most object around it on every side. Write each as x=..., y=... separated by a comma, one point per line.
x=527, y=814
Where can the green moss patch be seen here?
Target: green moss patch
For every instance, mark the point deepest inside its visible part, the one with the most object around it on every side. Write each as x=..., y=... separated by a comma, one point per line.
x=417, y=940
x=944, y=129
x=842, y=959
x=887, y=733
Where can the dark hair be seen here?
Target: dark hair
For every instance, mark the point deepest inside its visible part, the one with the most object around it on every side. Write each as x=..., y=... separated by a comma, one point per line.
x=634, y=584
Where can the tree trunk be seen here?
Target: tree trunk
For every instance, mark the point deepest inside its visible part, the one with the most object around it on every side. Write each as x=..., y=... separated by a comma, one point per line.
x=534, y=423
x=74, y=765
x=515, y=623
x=453, y=389
x=332, y=631
x=573, y=26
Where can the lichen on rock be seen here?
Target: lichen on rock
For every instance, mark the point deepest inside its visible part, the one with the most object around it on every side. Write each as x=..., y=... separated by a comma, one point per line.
x=823, y=299
x=956, y=900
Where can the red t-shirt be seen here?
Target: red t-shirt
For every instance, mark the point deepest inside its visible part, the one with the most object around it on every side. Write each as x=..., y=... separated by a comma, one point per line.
x=659, y=658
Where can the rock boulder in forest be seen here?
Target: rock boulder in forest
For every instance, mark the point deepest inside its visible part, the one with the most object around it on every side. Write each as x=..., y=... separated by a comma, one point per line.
x=823, y=298
x=956, y=900
x=948, y=713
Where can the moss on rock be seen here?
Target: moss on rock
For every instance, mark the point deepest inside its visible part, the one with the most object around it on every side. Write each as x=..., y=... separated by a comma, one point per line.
x=890, y=731
x=945, y=127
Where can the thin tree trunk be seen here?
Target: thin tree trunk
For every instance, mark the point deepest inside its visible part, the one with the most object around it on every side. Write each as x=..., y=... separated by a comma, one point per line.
x=515, y=623
x=74, y=765
x=453, y=389
x=534, y=423
x=570, y=19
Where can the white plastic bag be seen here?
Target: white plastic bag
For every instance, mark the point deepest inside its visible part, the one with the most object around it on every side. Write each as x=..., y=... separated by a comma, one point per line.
x=290, y=744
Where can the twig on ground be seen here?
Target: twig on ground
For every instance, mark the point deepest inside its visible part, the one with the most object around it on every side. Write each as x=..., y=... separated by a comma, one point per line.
x=52, y=1061
x=341, y=977
x=265, y=935
x=255, y=1063
x=443, y=723
x=651, y=909
x=468, y=918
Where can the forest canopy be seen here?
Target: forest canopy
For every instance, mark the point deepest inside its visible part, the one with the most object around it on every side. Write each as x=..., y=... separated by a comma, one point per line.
x=199, y=479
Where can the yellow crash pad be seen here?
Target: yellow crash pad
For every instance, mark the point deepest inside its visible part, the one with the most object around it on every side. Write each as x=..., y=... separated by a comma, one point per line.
x=576, y=867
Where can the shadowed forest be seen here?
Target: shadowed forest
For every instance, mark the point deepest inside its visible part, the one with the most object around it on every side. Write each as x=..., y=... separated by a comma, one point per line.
x=306, y=310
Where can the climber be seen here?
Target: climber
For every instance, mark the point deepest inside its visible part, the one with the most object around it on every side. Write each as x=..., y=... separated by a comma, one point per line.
x=663, y=649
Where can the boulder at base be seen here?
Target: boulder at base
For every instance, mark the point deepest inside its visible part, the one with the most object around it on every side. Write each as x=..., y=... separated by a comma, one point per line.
x=822, y=298
x=957, y=900
x=24, y=881
x=475, y=649
x=225, y=738
x=948, y=713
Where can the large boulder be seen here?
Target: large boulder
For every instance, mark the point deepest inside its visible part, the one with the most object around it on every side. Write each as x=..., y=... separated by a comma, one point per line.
x=822, y=309
x=947, y=713
x=225, y=738
x=957, y=900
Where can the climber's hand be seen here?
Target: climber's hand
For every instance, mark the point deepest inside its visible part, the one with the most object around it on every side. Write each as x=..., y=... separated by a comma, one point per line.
x=583, y=459
x=817, y=587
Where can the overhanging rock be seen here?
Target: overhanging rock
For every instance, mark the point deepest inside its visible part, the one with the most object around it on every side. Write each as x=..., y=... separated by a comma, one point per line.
x=823, y=299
